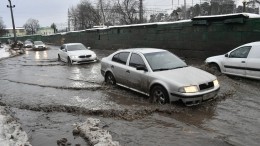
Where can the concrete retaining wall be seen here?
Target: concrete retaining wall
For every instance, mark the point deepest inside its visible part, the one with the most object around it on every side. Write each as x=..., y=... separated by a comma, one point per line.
x=197, y=38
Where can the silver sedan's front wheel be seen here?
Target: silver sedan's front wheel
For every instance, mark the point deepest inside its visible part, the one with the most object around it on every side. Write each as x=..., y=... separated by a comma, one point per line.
x=110, y=79
x=69, y=61
x=159, y=95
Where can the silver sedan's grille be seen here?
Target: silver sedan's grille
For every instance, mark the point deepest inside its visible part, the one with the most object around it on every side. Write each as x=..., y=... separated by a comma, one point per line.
x=206, y=85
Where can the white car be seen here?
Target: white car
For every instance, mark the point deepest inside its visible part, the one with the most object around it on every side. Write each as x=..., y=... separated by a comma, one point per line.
x=159, y=74
x=28, y=44
x=242, y=61
x=76, y=53
x=38, y=45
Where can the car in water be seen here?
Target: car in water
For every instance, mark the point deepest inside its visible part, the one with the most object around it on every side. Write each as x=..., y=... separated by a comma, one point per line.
x=159, y=74
x=28, y=44
x=242, y=61
x=76, y=53
x=39, y=45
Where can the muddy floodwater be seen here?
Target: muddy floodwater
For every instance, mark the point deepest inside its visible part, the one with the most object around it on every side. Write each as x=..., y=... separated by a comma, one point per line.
x=48, y=97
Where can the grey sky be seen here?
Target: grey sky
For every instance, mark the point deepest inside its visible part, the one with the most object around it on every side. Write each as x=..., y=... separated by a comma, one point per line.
x=55, y=11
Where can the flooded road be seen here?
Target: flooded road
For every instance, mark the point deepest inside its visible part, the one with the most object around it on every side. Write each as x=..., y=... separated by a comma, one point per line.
x=48, y=97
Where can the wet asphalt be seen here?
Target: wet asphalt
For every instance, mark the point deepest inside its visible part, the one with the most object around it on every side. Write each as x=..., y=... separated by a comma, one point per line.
x=48, y=97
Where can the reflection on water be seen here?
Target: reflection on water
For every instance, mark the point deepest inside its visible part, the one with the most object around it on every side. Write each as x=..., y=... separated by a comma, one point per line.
x=41, y=55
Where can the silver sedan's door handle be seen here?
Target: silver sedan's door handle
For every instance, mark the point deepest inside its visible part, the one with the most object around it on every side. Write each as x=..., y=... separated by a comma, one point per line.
x=112, y=66
x=243, y=61
x=128, y=71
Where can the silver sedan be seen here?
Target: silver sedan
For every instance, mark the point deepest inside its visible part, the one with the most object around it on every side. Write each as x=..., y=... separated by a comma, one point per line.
x=159, y=74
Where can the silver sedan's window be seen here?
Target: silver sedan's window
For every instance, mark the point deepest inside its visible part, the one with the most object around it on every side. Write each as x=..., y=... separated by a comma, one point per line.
x=165, y=60
x=240, y=52
x=121, y=57
x=136, y=60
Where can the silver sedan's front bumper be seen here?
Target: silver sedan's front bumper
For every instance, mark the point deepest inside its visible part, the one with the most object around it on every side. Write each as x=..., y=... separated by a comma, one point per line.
x=196, y=99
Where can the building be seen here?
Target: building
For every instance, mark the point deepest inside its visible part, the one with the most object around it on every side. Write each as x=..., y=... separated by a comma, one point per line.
x=20, y=31
x=45, y=31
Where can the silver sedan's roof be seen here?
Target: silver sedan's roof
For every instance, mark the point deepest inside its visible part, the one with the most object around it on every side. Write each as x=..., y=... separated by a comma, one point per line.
x=68, y=44
x=252, y=44
x=144, y=50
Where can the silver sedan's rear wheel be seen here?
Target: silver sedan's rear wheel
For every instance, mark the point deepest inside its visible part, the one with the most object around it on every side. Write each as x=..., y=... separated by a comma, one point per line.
x=159, y=95
x=110, y=79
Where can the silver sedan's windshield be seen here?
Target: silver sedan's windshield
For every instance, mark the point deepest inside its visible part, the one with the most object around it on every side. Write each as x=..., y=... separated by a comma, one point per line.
x=76, y=47
x=164, y=60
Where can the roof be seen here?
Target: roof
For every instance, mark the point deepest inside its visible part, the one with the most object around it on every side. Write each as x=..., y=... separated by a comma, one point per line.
x=144, y=50
x=10, y=28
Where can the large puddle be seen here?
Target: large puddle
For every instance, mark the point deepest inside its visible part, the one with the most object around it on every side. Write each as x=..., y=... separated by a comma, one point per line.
x=48, y=97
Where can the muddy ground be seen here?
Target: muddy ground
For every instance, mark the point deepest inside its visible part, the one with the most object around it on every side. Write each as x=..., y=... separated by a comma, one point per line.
x=48, y=98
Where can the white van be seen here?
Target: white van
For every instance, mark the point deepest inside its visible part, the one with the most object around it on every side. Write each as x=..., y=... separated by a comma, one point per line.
x=242, y=61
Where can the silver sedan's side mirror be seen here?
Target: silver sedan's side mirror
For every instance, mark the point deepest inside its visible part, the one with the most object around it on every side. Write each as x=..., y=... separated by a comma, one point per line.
x=226, y=55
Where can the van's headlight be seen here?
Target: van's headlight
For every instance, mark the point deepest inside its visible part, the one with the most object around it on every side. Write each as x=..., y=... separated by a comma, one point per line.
x=189, y=89
x=216, y=83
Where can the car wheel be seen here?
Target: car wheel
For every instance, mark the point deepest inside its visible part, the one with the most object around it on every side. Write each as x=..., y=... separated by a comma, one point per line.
x=159, y=95
x=215, y=69
x=110, y=79
x=69, y=61
x=59, y=58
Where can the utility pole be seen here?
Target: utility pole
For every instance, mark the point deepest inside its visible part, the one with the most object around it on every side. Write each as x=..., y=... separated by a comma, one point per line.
x=69, y=17
x=141, y=11
x=11, y=9
x=102, y=10
x=244, y=6
x=185, y=13
x=172, y=4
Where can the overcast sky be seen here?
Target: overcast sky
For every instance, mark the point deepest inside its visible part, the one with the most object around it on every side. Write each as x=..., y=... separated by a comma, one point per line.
x=55, y=11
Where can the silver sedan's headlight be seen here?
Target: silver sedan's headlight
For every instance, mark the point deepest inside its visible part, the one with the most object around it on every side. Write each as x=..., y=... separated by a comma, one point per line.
x=73, y=57
x=216, y=83
x=94, y=55
x=189, y=89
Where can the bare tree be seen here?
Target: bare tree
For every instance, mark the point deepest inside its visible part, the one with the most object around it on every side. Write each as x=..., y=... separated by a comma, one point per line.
x=54, y=27
x=2, y=26
x=128, y=11
x=84, y=15
x=108, y=14
x=31, y=26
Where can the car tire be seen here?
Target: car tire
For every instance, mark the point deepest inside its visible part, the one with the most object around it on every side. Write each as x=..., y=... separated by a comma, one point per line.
x=69, y=61
x=110, y=79
x=215, y=69
x=59, y=58
x=159, y=95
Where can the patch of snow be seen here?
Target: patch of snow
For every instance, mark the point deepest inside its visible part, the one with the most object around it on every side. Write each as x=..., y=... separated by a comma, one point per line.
x=4, y=53
x=249, y=15
x=10, y=131
x=96, y=136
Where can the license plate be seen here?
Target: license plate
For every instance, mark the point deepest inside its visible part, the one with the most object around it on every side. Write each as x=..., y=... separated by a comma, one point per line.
x=209, y=96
